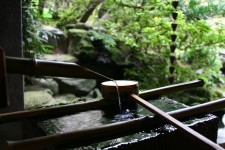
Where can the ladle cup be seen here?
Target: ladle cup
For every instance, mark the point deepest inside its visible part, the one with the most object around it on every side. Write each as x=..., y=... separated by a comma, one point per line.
x=125, y=88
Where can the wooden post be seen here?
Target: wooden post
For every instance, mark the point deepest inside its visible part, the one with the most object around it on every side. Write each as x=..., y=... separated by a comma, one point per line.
x=3, y=81
x=11, y=43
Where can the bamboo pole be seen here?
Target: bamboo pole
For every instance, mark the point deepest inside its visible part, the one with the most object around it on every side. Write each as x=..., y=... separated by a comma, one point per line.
x=171, y=88
x=208, y=144
x=56, y=111
x=49, y=68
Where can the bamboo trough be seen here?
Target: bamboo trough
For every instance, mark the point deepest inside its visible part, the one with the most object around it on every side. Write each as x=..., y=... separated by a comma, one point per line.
x=83, y=137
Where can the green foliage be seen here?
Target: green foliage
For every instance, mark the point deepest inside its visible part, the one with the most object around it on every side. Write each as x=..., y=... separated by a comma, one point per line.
x=33, y=34
x=107, y=39
x=203, y=10
x=145, y=26
x=147, y=38
x=71, y=14
x=199, y=45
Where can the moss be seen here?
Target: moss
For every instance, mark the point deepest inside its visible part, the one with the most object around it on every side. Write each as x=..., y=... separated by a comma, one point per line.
x=33, y=99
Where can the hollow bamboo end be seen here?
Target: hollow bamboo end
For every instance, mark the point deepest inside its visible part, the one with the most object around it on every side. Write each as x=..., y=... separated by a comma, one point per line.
x=125, y=88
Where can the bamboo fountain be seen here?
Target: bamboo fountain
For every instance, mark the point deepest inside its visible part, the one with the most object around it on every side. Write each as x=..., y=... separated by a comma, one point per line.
x=128, y=90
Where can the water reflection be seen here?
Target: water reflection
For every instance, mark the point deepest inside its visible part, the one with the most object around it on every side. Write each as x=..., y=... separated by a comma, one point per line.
x=83, y=120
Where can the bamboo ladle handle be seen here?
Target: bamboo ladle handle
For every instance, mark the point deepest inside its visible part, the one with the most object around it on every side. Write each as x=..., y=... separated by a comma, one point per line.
x=169, y=119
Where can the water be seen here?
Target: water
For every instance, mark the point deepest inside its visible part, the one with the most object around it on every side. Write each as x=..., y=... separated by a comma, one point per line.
x=125, y=115
x=76, y=122
x=117, y=87
x=118, y=94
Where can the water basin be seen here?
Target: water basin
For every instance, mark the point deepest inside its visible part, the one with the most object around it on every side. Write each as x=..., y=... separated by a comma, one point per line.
x=96, y=118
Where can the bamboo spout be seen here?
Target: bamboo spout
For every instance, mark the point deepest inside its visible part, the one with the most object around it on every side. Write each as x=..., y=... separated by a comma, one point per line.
x=49, y=68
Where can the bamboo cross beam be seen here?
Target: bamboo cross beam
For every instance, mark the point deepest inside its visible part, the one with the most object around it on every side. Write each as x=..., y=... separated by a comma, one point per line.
x=52, y=112
x=171, y=88
x=208, y=144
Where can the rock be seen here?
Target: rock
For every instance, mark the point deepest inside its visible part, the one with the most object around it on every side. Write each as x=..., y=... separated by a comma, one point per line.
x=63, y=100
x=41, y=84
x=78, y=87
x=78, y=26
x=59, y=57
x=79, y=41
x=57, y=39
x=34, y=99
x=78, y=34
x=192, y=97
x=37, y=88
x=96, y=94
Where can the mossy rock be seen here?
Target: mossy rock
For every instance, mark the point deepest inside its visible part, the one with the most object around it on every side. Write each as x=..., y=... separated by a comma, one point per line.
x=79, y=41
x=78, y=87
x=78, y=26
x=64, y=99
x=33, y=99
x=192, y=97
x=38, y=88
x=78, y=33
x=41, y=84
x=95, y=94
x=60, y=58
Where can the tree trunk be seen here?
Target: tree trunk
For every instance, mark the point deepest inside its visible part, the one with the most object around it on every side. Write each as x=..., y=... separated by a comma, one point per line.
x=41, y=5
x=90, y=8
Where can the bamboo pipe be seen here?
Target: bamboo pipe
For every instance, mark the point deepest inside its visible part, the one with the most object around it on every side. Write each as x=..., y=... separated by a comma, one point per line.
x=69, y=109
x=107, y=132
x=49, y=68
x=208, y=144
x=51, y=112
x=4, y=102
x=171, y=88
